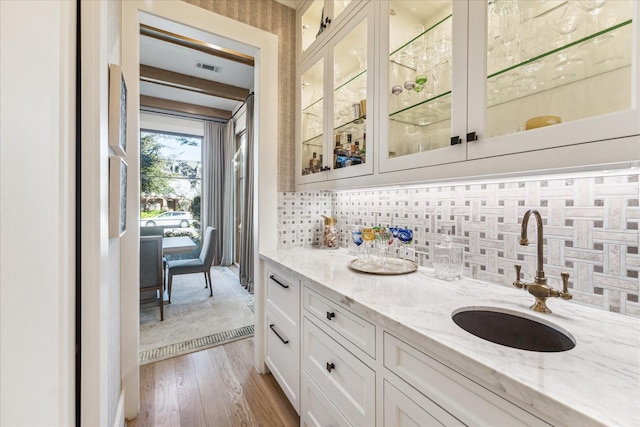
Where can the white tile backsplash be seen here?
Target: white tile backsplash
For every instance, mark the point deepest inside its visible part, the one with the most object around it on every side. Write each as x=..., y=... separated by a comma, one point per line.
x=590, y=228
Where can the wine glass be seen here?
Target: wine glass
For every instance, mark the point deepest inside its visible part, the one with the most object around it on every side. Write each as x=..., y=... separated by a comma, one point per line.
x=356, y=236
x=368, y=236
x=405, y=235
x=383, y=240
x=394, y=233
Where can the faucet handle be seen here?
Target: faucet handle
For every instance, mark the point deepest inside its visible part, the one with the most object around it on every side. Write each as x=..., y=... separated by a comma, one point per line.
x=517, y=283
x=565, y=287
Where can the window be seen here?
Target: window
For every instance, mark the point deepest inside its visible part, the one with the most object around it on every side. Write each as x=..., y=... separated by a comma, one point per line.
x=170, y=182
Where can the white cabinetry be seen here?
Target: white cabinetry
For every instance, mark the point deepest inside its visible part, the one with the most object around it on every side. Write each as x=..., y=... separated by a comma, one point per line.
x=474, y=73
x=466, y=400
x=282, y=354
x=340, y=367
x=335, y=87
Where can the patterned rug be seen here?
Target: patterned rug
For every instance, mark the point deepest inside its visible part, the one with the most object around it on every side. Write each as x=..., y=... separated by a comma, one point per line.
x=194, y=321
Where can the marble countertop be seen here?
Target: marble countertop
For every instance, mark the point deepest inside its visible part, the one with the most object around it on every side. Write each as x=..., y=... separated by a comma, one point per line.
x=598, y=381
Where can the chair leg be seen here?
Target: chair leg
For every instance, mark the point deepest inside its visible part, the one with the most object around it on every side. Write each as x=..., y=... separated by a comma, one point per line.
x=169, y=286
x=208, y=274
x=206, y=283
x=161, y=303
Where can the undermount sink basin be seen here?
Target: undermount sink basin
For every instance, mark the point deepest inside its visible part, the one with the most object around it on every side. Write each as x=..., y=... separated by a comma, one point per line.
x=513, y=329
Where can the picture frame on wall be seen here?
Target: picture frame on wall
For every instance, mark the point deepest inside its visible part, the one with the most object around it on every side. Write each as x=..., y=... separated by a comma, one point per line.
x=117, y=196
x=117, y=110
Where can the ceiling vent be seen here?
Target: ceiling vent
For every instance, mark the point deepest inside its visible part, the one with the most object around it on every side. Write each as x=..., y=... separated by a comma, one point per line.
x=213, y=68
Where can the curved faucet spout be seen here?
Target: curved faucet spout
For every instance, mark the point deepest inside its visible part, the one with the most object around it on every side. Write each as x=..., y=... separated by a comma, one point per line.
x=524, y=241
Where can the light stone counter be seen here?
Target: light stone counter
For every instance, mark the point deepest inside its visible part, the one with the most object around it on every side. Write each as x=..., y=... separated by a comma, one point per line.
x=598, y=381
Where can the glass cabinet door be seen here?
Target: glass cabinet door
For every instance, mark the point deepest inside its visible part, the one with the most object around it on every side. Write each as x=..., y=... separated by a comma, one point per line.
x=312, y=120
x=318, y=17
x=418, y=93
x=312, y=23
x=541, y=53
x=350, y=88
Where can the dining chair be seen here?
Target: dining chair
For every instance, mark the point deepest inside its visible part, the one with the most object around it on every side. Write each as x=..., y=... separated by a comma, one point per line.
x=157, y=230
x=151, y=268
x=202, y=264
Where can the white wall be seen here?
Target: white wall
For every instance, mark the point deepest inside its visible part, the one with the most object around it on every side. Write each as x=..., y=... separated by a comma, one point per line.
x=37, y=178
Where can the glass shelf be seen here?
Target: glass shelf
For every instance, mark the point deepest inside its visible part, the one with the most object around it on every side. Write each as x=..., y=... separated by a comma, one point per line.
x=564, y=65
x=315, y=141
x=427, y=112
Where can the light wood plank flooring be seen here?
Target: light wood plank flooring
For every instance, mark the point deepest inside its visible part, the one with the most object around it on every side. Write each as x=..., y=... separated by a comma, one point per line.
x=216, y=387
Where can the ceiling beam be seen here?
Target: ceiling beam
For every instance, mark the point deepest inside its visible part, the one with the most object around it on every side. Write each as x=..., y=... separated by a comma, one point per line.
x=208, y=48
x=194, y=84
x=183, y=107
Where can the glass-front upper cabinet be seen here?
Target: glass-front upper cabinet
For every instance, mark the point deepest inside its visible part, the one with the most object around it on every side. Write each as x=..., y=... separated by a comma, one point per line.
x=350, y=88
x=312, y=119
x=335, y=89
x=565, y=66
x=318, y=19
x=418, y=98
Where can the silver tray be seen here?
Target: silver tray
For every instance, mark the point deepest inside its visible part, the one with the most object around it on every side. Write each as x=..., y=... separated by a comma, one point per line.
x=391, y=266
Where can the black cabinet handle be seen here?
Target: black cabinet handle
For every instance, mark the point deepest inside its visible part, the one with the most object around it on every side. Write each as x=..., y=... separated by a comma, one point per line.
x=278, y=335
x=272, y=277
x=327, y=20
x=330, y=315
x=330, y=366
x=324, y=169
x=455, y=140
x=472, y=136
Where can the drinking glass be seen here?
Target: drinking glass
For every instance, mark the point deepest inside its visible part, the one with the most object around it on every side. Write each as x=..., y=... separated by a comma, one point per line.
x=383, y=240
x=405, y=235
x=368, y=236
x=356, y=236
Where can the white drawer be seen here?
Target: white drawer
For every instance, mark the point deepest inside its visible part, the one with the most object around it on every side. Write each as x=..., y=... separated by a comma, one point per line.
x=317, y=411
x=402, y=411
x=345, y=380
x=283, y=295
x=351, y=326
x=283, y=358
x=464, y=399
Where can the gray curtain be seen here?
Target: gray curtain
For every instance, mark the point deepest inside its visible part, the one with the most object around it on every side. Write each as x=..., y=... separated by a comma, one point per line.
x=246, y=232
x=218, y=181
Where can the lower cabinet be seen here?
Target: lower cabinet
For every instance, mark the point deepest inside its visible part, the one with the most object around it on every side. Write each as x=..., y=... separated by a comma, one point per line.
x=283, y=358
x=466, y=400
x=346, y=381
x=401, y=410
x=317, y=410
x=340, y=366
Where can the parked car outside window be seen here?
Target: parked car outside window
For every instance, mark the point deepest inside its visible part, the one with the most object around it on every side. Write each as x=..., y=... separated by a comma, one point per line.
x=169, y=219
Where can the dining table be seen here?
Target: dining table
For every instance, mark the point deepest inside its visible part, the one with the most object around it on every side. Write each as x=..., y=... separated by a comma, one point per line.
x=176, y=245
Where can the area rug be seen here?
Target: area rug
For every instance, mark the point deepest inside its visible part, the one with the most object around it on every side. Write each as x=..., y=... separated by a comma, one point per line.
x=195, y=321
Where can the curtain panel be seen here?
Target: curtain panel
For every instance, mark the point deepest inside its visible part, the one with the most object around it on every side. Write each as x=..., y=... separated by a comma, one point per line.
x=246, y=232
x=218, y=181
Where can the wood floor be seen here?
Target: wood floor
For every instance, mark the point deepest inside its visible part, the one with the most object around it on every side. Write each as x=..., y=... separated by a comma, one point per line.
x=216, y=387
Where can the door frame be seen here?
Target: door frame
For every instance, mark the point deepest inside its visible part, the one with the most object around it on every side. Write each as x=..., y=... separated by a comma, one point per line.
x=265, y=164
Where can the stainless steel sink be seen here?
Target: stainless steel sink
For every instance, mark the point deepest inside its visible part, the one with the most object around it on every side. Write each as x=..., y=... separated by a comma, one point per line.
x=513, y=329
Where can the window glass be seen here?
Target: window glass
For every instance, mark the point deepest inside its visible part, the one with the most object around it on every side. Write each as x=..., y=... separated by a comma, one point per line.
x=170, y=182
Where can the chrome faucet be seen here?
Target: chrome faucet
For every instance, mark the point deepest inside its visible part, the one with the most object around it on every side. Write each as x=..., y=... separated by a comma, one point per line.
x=539, y=288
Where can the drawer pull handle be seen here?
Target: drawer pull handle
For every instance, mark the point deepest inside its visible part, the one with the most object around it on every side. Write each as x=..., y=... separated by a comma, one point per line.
x=330, y=315
x=278, y=335
x=272, y=277
x=330, y=366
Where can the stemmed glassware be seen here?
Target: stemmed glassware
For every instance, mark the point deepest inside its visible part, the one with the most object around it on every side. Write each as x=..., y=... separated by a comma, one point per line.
x=405, y=235
x=383, y=240
x=356, y=236
x=368, y=236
